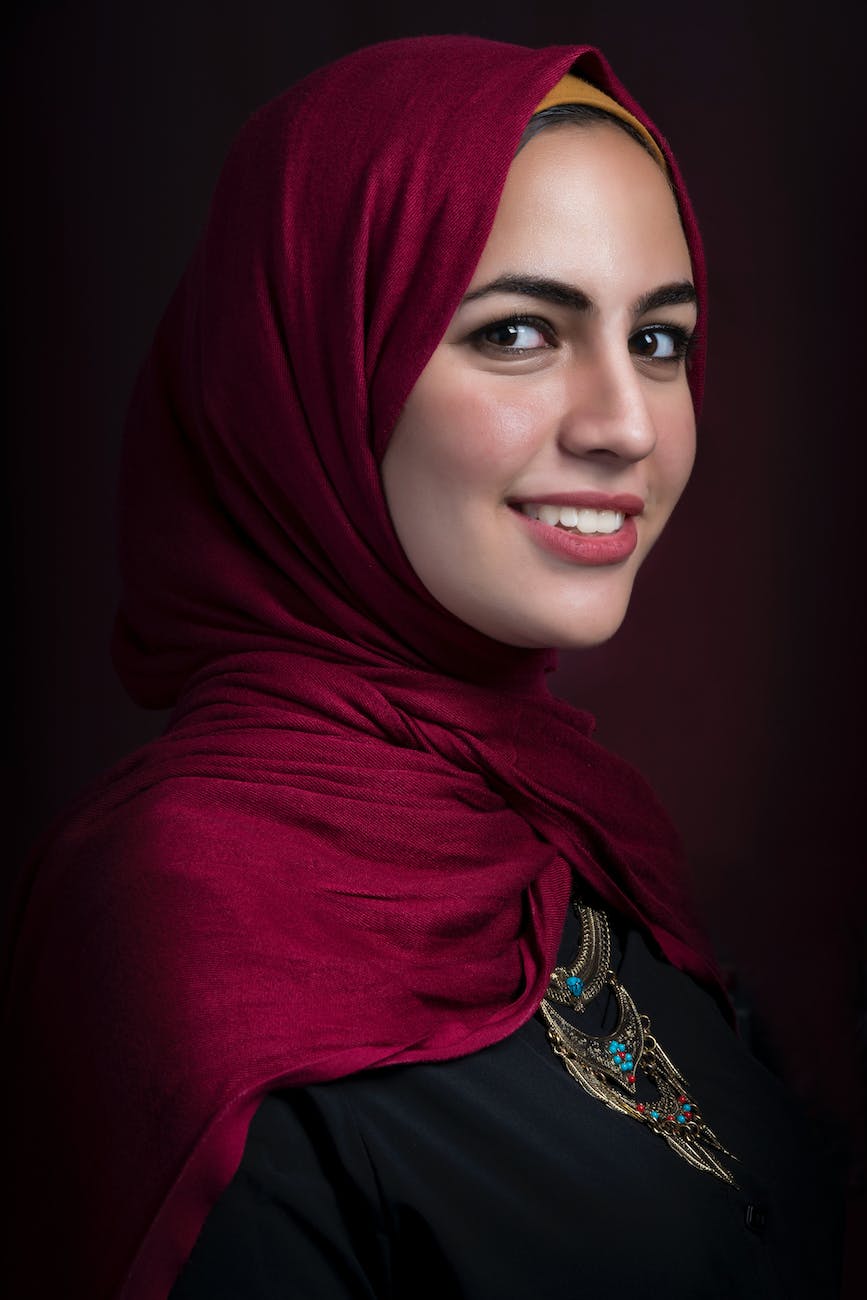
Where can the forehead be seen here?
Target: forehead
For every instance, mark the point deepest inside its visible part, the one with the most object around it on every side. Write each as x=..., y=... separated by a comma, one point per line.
x=583, y=201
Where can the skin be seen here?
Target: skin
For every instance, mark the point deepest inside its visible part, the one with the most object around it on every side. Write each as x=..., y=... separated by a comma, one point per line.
x=579, y=398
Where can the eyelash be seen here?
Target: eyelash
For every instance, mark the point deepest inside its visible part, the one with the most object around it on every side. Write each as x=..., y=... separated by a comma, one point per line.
x=499, y=349
x=682, y=339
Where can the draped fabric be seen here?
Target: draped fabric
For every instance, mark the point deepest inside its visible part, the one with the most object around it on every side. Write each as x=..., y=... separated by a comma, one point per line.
x=353, y=844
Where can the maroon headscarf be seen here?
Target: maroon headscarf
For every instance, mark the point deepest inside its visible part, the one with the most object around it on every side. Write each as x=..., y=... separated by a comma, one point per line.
x=353, y=845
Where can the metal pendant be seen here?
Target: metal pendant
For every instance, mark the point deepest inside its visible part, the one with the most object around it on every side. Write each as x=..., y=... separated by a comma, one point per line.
x=607, y=1065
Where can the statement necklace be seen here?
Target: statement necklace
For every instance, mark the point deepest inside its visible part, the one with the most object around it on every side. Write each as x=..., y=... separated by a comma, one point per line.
x=607, y=1065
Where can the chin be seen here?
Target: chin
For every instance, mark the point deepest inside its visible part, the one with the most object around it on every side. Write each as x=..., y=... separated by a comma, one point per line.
x=590, y=622
x=586, y=629
x=587, y=640
x=584, y=638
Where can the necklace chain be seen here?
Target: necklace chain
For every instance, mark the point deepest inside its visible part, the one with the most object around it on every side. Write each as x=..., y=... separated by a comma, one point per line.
x=608, y=1065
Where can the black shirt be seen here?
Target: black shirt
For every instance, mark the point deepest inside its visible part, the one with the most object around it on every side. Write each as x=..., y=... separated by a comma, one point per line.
x=496, y=1177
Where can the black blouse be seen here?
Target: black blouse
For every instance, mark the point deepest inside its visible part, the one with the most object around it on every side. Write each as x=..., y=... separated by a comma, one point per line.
x=496, y=1177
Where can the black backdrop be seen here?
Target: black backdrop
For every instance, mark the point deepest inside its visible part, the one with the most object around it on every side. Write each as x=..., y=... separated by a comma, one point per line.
x=737, y=681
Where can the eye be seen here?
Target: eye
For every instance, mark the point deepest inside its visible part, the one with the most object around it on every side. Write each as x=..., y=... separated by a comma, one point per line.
x=660, y=342
x=517, y=335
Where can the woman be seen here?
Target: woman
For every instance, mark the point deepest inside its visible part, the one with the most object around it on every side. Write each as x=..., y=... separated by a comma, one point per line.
x=283, y=992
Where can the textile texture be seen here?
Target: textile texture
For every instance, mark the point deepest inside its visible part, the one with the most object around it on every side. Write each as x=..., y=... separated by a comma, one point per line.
x=353, y=844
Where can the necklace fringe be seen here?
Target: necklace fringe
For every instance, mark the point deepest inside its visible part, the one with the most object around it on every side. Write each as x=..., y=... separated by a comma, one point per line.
x=607, y=1065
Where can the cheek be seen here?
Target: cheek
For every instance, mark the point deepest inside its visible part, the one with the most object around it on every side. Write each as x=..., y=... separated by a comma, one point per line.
x=471, y=433
x=686, y=449
x=680, y=454
x=676, y=446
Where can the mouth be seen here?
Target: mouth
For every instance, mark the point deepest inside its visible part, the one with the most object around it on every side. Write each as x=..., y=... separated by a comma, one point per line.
x=585, y=528
x=573, y=519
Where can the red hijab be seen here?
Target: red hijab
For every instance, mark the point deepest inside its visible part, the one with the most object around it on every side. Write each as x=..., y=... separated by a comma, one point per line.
x=353, y=845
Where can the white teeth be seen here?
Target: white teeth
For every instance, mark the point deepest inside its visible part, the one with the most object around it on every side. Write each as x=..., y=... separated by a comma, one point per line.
x=584, y=521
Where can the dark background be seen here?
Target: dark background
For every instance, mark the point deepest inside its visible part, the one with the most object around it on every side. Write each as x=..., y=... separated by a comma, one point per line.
x=737, y=682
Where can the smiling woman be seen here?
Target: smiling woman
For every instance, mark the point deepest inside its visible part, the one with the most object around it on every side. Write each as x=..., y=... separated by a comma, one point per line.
x=375, y=975
x=560, y=386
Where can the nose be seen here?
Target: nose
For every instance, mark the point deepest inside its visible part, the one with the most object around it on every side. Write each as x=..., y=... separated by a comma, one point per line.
x=606, y=412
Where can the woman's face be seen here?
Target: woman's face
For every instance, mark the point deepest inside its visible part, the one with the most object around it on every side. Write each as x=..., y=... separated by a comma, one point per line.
x=545, y=444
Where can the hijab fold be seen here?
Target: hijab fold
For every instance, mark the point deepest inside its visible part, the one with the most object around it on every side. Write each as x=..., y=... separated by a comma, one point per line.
x=353, y=846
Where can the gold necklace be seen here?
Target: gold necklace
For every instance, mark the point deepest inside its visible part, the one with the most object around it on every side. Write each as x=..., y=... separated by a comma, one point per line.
x=606, y=1065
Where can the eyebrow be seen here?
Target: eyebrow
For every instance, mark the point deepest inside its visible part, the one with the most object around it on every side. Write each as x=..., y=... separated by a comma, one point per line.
x=679, y=294
x=676, y=294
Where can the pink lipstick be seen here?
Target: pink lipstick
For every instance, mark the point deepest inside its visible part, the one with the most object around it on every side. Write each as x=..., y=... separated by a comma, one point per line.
x=614, y=542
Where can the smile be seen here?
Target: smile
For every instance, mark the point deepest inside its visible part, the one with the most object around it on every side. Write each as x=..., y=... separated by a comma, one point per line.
x=583, y=532
x=584, y=520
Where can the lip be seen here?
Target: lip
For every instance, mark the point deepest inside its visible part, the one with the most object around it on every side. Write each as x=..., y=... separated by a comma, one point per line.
x=626, y=502
x=586, y=549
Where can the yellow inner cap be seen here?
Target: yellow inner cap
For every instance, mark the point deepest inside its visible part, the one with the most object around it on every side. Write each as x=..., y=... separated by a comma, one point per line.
x=574, y=90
